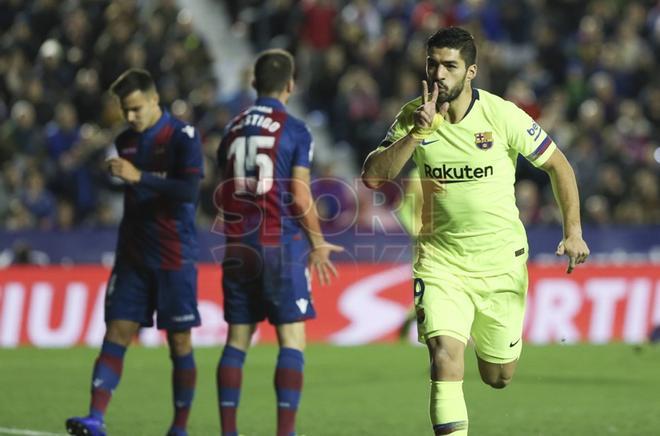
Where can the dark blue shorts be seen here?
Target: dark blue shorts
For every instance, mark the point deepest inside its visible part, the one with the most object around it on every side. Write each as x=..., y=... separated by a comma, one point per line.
x=134, y=293
x=260, y=282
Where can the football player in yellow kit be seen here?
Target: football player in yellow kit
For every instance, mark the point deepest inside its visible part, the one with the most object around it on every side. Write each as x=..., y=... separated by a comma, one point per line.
x=470, y=272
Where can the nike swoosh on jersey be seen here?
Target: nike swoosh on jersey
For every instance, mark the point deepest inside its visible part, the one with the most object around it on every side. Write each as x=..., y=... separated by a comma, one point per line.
x=513, y=344
x=425, y=142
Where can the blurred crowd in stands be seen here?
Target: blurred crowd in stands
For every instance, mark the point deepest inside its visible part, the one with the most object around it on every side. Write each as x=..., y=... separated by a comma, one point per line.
x=586, y=70
x=57, y=121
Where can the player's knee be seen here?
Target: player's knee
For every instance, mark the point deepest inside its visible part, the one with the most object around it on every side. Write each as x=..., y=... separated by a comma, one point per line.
x=496, y=381
x=180, y=343
x=121, y=332
x=501, y=383
x=240, y=335
x=291, y=335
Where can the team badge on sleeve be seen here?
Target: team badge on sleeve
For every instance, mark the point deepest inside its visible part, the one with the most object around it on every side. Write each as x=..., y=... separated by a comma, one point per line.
x=483, y=140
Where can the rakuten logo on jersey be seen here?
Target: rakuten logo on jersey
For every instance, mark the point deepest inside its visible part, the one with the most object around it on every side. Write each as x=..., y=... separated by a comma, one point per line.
x=466, y=173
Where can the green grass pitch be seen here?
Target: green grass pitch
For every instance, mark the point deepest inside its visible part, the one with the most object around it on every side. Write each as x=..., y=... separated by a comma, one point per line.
x=366, y=390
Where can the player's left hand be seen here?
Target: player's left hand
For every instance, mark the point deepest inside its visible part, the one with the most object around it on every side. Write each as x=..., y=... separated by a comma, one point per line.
x=575, y=248
x=123, y=169
x=320, y=263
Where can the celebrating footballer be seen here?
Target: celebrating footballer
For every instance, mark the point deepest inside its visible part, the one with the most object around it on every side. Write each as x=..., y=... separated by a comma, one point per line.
x=470, y=272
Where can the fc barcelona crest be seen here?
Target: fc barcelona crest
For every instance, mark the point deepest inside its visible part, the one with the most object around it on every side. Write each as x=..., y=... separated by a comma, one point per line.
x=483, y=140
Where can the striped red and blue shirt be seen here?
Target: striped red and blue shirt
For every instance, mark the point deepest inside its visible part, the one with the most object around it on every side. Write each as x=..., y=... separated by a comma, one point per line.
x=257, y=154
x=157, y=229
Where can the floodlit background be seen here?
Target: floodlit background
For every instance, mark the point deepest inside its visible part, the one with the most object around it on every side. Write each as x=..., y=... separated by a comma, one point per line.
x=585, y=70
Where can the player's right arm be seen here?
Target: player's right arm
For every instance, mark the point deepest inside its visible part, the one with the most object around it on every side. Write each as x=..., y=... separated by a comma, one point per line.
x=386, y=162
x=303, y=202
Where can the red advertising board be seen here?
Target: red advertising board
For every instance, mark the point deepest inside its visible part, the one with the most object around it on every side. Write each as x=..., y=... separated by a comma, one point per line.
x=63, y=306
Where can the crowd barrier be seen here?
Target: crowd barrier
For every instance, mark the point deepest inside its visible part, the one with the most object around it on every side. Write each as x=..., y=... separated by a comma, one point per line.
x=58, y=306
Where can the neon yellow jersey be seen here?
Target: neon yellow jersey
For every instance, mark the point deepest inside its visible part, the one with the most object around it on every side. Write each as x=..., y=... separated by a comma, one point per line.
x=410, y=209
x=470, y=222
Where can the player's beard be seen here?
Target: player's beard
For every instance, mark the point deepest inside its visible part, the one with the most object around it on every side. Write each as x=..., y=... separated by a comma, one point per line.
x=453, y=93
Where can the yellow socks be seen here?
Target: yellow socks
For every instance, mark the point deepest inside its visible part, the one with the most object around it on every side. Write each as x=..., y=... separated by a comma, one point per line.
x=448, y=412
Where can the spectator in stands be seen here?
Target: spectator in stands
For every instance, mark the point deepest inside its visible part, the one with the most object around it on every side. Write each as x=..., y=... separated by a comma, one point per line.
x=63, y=132
x=20, y=134
x=36, y=95
x=87, y=94
x=38, y=200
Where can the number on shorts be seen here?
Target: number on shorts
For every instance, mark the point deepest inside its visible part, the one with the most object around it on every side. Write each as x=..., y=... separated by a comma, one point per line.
x=418, y=289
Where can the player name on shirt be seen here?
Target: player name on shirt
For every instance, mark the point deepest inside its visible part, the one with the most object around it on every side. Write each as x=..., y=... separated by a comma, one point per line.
x=257, y=120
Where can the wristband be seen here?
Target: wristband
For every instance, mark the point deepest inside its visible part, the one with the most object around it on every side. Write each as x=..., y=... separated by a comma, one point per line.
x=421, y=133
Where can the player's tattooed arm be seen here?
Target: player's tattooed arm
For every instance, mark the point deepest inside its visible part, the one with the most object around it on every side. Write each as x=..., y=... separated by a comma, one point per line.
x=303, y=202
x=566, y=194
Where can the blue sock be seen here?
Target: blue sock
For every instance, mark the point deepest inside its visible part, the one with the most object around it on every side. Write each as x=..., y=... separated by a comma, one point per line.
x=288, y=386
x=184, y=375
x=105, y=378
x=229, y=377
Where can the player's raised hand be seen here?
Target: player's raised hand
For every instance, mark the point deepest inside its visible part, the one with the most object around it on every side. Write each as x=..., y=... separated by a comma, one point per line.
x=320, y=263
x=423, y=115
x=428, y=116
x=123, y=169
x=575, y=248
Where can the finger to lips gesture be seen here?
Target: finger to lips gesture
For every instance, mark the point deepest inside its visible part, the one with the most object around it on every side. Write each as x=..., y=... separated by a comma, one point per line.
x=425, y=113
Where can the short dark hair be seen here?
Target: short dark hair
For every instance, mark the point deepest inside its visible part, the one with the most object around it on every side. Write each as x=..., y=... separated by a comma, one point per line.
x=132, y=80
x=272, y=71
x=455, y=37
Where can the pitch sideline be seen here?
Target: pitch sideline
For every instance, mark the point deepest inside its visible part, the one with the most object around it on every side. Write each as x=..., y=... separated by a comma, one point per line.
x=26, y=432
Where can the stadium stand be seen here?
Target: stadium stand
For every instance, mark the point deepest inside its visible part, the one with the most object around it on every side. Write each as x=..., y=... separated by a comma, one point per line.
x=589, y=78
x=57, y=120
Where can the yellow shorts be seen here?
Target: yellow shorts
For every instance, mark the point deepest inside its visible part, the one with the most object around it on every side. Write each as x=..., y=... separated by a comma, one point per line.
x=488, y=309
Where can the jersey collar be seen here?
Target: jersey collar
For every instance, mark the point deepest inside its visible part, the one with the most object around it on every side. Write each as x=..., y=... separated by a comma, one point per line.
x=160, y=123
x=269, y=101
x=475, y=97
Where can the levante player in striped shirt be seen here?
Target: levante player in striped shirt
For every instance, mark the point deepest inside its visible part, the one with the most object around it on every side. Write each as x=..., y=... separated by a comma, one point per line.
x=272, y=231
x=160, y=161
x=470, y=274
